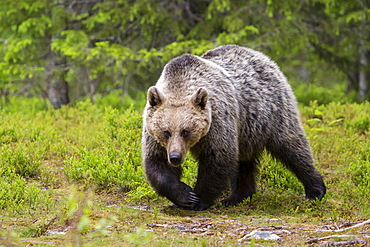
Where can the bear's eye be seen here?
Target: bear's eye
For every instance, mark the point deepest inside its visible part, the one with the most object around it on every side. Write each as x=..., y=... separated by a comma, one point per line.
x=166, y=134
x=185, y=133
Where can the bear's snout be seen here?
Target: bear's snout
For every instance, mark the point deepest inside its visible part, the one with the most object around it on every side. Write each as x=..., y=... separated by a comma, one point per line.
x=175, y=158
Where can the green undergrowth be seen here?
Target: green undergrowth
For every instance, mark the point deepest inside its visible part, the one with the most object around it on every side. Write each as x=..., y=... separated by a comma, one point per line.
x=80, y=168
x=306, y=93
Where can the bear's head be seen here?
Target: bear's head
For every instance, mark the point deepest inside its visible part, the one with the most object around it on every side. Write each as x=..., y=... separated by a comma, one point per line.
x=177, y=123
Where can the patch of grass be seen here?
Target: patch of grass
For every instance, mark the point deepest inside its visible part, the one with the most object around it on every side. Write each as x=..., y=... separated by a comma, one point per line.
x=23, y=160
x=116, y=160
x=16, y=195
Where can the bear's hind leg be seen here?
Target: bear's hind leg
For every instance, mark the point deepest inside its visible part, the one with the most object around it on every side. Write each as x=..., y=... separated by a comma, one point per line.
x=296, y=154
x=243, y=185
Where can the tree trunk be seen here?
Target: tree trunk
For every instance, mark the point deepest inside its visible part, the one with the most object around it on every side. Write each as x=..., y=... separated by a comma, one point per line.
x=90, y=86
x=352, y=81
x=57, y=91
x=363, y=81
x=56, y=85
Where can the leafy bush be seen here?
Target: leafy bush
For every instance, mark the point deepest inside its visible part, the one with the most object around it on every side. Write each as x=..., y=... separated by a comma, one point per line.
x=353, y=117
x=24, y=104
x=116, y=161
x=323, y=95
x=22, y=160
x=18, y=195
x=116, y=100
x=8, y=135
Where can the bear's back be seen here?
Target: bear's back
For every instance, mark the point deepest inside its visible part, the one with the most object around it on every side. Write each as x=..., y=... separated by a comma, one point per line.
x=183, y=75
x=246, y=64
x=256, y=76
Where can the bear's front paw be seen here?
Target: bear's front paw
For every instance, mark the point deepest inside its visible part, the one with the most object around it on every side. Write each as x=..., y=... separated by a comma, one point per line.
x=316, y=193
x=193, y=203
x=188, y=202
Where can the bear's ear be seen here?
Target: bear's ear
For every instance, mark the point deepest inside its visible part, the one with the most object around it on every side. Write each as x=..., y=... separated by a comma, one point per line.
x=154, y=96
x=200, y=97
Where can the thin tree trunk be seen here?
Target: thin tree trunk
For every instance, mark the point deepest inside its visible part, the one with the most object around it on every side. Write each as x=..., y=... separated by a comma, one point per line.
x=363, y=81
x=352, y=81
x=90, y=86
x=56, y=85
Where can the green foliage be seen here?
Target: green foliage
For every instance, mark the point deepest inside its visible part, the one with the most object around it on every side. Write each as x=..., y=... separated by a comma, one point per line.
x=22, y=160
x=274, y=174
x=16, y=195
x=121, y=45
x=15, y=105
x=72, y=44
x=353, y=117
x=323, y=95
x=116, y=100
x=141, y=192
x=103, y=169
x=116, y=161
x=339, y=136
x=140, y=237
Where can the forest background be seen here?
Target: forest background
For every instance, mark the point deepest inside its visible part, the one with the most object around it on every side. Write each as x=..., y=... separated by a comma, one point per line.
x=65, y=50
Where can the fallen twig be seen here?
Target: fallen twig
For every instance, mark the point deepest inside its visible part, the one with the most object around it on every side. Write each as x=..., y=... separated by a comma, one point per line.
x=314, y=240
x=254, y=244
x=344, y=243
x=184, y=227
x=347, y=228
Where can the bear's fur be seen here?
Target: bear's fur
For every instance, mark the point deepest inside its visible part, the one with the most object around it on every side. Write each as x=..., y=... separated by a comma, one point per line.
x=226, y=107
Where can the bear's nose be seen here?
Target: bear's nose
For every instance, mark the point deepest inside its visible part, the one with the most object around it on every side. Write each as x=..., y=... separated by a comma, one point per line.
x=175, y=158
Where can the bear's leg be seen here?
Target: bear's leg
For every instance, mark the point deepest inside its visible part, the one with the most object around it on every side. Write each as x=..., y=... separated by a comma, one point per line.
x=243, y=185
x=213, y=177
x=165, y=178
x=209, y=187
x=296, y=154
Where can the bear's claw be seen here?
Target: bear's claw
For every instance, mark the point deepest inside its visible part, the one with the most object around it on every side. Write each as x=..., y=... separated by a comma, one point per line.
x=191, y=202
x=193, y=197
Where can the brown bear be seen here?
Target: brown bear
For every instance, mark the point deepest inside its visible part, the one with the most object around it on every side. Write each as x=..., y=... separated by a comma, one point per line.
x=226, y=107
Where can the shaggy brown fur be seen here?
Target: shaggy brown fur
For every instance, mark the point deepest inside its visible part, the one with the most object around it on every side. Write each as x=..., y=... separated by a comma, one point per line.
x=226, y=107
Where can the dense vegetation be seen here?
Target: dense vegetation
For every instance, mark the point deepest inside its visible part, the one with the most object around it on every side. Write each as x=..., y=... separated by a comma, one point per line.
x=74, y=176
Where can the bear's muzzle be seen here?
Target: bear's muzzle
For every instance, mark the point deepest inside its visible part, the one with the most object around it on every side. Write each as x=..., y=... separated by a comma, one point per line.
x=175, y=158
